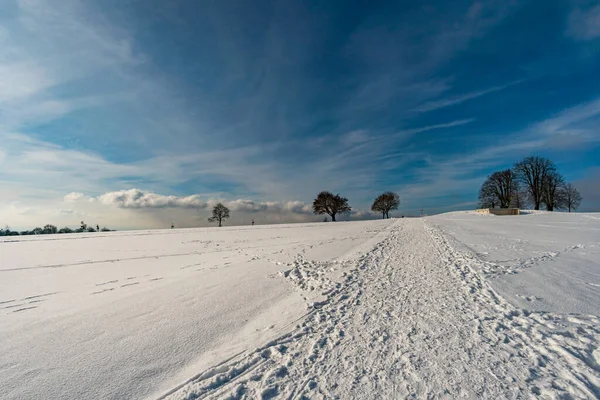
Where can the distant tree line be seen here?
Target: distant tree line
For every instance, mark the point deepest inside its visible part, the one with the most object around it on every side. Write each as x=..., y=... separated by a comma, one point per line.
x=51, y=230
x=533, y=181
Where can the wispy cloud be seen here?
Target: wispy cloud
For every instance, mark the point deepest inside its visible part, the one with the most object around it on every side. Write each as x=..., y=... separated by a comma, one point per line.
x=574, y=126
x=263, y=106
x=584, y=24
x=455, y=100
x=570, y=116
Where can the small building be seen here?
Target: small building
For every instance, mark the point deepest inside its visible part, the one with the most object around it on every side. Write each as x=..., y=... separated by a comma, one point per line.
x=499, y=211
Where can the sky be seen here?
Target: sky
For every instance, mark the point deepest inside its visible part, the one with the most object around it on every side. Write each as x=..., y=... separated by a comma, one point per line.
x=142, y=113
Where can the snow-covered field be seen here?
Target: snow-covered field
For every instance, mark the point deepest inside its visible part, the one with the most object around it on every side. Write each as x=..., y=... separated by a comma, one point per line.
x=539, y=261
x=456, y=305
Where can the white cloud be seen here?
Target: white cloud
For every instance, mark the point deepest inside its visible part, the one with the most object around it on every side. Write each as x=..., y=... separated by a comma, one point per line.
x=135, y=198
x=584, y=24
x=366, y=214
x=22, y=79
x=140, y=199
x=73, y=197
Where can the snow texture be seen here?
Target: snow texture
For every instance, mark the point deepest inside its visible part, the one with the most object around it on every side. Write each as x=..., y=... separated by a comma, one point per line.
x=407, y=308
x=539, y=261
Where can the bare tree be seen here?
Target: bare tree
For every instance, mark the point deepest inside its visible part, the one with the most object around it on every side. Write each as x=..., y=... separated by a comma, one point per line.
x=532, y=172
x=330, y=204
x=519, y=196
x=487, y=196
x=219, y=213
x=386, y=202
x=499, y=186
x=552, y=194
x=571, y=197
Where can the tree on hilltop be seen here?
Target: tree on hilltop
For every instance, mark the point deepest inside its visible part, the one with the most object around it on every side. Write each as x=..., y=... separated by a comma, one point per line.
x=330, y=204
x=219, y=213
x=571, y=197
x=533, y=173
x=386, y=202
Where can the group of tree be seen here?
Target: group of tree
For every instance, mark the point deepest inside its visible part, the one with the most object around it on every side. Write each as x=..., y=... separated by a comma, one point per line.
x=326, y=203
x=334, y=204
x=51, y=229
x=532, y=181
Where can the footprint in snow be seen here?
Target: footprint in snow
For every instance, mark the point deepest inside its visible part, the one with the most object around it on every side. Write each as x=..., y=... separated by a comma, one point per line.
x=24, y=309
x=106, y=283
x=40, y=295
x=103, y=291
x=12, y=306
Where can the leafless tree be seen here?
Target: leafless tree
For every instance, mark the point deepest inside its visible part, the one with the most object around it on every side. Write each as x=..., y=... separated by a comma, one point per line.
x=330, y=204
x=532, y=172
x=386, y=202
x=571, y=197
x=552, y=194
x=501, y=186
x=519, y=196
x=487, y=196
x=219, y=213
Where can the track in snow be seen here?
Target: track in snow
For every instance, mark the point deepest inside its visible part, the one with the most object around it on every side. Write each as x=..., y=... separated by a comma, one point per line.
x=411, y=318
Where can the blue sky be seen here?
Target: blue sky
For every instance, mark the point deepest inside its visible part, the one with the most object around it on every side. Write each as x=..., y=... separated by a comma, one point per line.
x=139, y=113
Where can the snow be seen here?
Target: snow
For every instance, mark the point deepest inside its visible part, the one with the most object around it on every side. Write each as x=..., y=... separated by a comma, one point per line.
x=540, y=261
x=130, y=314
x=449, y=306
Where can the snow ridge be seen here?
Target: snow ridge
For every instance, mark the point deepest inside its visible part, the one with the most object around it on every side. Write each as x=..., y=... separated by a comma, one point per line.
x=411, y=318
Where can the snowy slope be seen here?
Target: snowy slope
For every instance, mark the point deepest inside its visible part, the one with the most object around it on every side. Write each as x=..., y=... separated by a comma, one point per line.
x=539, y=261
x=407, y=308
x=413, y=319
x=125, y=314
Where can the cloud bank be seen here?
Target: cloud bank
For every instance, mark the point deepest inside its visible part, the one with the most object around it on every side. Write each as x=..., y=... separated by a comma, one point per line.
x=140, y=199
